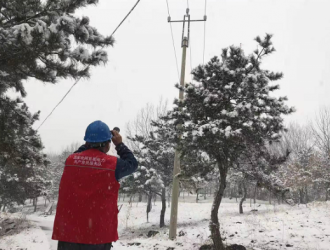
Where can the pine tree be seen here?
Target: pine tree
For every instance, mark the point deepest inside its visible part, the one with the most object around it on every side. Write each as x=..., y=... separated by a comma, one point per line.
x=156, y=154
x=45, y=41
x=145, y=180
x=228, y=110
x=20, y=154
x=55, y=170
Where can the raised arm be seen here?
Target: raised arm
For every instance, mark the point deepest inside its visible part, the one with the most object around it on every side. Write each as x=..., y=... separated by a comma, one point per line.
x=127, y=164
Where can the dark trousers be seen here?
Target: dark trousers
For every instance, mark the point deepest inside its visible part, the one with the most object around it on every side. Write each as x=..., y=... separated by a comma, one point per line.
x=78, y=246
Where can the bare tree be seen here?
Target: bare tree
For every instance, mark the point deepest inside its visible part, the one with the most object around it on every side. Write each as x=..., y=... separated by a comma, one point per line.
x=321, y=132
x=141, y=125
x=297, y=171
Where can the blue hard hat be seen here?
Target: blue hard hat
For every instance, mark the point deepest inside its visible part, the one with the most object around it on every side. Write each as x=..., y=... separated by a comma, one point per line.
x=97, y=132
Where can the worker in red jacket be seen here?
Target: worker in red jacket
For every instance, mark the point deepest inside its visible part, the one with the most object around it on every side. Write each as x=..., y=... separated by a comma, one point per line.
x=87, y=213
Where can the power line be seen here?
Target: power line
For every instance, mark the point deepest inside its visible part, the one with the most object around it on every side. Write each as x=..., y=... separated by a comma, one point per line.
x=87, y=67
x=125, y=17
x=61, y=100
x=176, y=59
x=190, y=48
x=204, y=33
x=191, y=75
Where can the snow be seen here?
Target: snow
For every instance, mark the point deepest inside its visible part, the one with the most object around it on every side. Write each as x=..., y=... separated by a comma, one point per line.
x=262, y=226
x=233, y=113
x=81, y=53
x=30, y=238
x=228, y=131
x=229, y=86
x=53, y=28
x=271, y=227
x=25, y=31
x=101, y=55
x=3, y=73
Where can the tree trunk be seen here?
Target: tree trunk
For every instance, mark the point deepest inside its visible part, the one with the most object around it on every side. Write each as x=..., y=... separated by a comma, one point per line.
x=197, y=196
x=131, y=199
x=270, y=197
x=327, y=191
x=243, y=198
x=162, y=212
x=149, y=205
x=306, y=195
x=35, y=201
x=301, y=196
x=255, y=194
x=214, y=224
x=140, y=197
x=169, y=198
x=205, y=194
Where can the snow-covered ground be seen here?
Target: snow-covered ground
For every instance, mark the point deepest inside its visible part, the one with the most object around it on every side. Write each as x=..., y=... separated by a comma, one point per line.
x=270, y=227
x=31, y=237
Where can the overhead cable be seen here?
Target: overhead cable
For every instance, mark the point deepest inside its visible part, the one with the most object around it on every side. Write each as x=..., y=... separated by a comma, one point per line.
x=75, y=83
x=176, y=58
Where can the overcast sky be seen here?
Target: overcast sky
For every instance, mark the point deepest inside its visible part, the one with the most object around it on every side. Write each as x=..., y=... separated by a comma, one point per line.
x=142, y=67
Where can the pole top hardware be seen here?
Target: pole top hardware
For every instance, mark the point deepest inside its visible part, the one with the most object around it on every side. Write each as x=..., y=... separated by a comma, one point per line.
x=185, y=42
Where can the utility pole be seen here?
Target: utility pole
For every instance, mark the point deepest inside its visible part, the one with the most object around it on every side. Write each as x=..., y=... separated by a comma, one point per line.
x=176, y=170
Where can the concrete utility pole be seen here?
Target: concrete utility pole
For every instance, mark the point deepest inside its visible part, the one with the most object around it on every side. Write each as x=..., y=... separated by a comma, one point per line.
x=176, y=170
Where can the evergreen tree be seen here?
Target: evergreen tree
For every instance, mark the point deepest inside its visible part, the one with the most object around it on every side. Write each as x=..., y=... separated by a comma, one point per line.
x=228, y=110
x=145, y=180
x=56, y=168
x=156, y=154
x=21, y=159
x=259, y=165
x=45, y=41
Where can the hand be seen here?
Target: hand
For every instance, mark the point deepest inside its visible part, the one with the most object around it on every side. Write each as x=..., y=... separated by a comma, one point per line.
x=116, y=138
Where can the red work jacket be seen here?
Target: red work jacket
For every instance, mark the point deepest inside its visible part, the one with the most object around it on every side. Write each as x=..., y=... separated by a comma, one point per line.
x=87, y=204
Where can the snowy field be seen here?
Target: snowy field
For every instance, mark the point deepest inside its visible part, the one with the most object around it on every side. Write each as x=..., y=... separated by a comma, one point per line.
x=270, y=227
